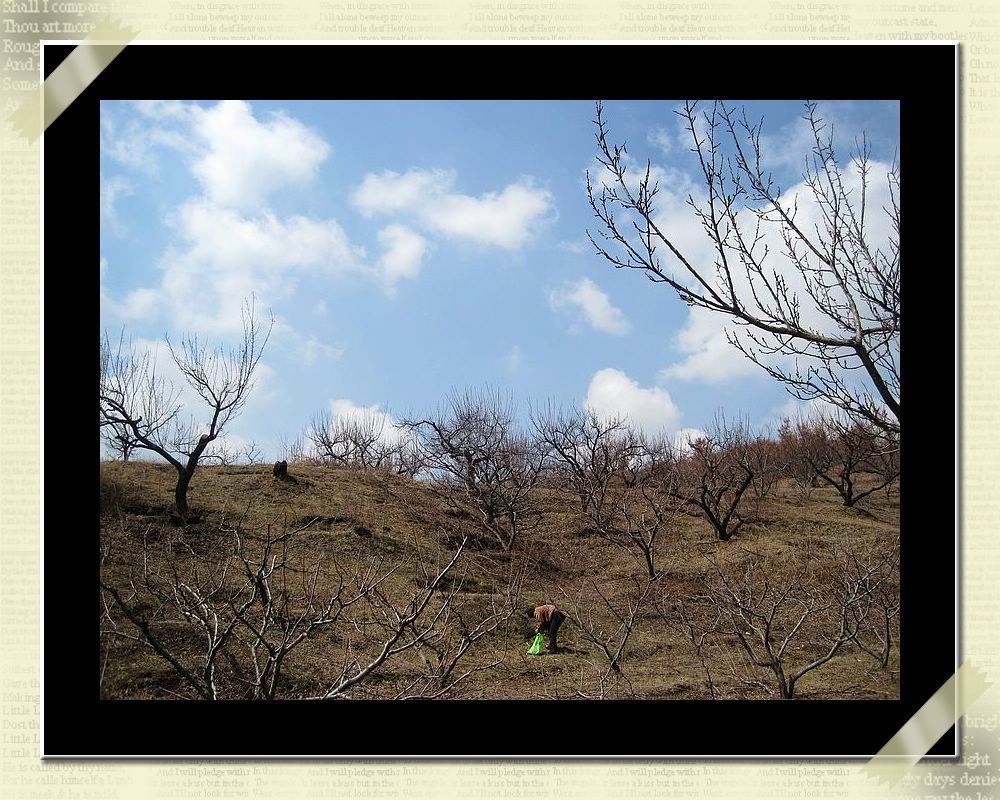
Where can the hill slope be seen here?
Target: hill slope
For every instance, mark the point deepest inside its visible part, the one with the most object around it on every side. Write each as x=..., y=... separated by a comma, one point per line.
x=355, y=520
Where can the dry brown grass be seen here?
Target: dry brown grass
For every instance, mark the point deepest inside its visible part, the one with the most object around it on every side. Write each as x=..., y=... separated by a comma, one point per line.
x=362, y=515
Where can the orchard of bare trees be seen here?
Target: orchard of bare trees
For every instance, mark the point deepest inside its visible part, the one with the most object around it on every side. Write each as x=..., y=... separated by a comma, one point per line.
x=243, y=617
x=413, y=619
x=394, y=559
x=628, y=485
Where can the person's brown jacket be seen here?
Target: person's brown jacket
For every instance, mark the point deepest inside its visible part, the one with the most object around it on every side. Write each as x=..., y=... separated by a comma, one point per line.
x=543, y=617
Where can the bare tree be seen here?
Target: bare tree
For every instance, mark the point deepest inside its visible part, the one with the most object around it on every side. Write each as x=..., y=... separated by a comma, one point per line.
x=841, y=450
x=399, y=625
x=119, y=441
x=798, y=443
x=139, y=403
x=294, y=451
x=136, y=402
x=726, y=473
x=358, y=440
x=226, y=453
x=678, y=615
x=473, y=450
x=467, y=623
x=255, y=604
x=250, y=453
x=627, y=484
x=608, y=625
x=366, y=441
x=877, y=570
x=229, y=625
x=830, y=305
x=585, y=450
x=884, y=459
x=639, y=502
x=788, y=622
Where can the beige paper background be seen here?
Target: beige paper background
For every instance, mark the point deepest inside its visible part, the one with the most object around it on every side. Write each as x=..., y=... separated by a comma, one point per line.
x=975, y=24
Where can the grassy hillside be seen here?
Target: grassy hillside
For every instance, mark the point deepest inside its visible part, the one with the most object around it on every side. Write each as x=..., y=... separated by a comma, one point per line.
x=355, y=519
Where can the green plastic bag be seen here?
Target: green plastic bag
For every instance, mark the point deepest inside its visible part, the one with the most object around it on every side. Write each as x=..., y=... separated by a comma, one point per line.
x=536, y=646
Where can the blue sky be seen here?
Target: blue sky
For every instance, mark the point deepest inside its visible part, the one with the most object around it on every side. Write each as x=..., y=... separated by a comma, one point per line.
x=408, y=248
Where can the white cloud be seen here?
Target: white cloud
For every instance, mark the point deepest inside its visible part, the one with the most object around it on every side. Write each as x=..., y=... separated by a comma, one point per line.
x=237, y=158
x=790, y=146
x=667, y=178
x=129, y=145
x=134, y=142
x=140, y=303
x=246, y=159
x=612, y=393
x=504, y=219
x=403, y=253
x=105, y=299
x=163, y=110
x=225, y=256
x=709, y=355
x=232, y=240
x=228, y=244
x=312, y=349
x=309, y=349
x=593, y=304
x=221, y=257
x=390, y=192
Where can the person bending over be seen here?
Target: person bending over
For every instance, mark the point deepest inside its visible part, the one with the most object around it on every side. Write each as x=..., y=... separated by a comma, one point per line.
x=547, y=618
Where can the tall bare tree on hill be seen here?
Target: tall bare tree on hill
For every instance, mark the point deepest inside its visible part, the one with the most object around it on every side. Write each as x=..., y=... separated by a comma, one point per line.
x=139, y=404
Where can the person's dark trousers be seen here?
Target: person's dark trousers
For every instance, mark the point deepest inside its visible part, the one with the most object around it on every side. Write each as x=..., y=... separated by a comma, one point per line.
x=557, y=620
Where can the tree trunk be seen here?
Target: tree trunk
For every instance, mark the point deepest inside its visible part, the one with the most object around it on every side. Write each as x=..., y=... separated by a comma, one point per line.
x=649, y=563
x=887, y=647
x=785, y=687
x=848, y=490
x=180, y=493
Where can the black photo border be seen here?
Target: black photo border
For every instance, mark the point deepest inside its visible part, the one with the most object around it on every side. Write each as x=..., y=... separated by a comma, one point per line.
x=77, y=723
